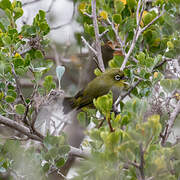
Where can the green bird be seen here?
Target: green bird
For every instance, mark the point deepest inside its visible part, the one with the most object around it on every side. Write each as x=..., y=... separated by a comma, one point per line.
x=101, y=85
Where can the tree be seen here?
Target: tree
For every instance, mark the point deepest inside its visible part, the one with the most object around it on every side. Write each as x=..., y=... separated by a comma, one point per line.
x=144, y=39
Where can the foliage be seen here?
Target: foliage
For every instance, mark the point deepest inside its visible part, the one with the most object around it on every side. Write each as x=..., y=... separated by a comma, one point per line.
x=128, y=142
x=136, y=142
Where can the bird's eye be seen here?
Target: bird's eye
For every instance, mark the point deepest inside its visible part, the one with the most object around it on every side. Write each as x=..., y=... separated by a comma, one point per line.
x=117, y=77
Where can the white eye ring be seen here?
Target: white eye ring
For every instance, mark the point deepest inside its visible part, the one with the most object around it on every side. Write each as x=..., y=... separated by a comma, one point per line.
x=117, y=77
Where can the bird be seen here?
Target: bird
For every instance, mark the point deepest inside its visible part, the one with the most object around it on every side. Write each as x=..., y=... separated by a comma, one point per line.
x=111, y=79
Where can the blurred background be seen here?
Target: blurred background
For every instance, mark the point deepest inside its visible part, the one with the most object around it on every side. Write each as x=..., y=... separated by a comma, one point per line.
x=64, y=48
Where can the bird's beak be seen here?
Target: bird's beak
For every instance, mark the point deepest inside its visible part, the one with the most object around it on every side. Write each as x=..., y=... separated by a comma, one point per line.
x=125, y=78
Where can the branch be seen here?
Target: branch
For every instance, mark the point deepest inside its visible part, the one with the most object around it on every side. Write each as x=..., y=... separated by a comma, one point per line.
x=170, y=123
x=161, y=63
x=31, y=2
x=103, y=33
x=89, y=46
x=120, y=98
x=50, y=6
x=14, y=125
x=97, y=36
x=139, y=31
x=24, y=130
x=141, y=167
x=137, y=12
x=78, y=153
x=136, y=35
x=117, y=36
x=155, y=19
x=70, y=21
x=18, y=86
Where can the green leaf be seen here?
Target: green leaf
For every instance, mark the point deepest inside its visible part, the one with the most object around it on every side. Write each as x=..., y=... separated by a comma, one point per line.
x=18, y=62
x=131, y=3
x=46, y=167
x=97, y=72
x=1, y=95
x=170, y=85
x=149, y=62
x=27, y=59
x=48, y=83
x=5, y=4
x=116, y=61
x=119, y=6
x=9, y=99
x=82, y=118
x=147, y=18
x=20, y=109
x=60, y=162
x=117, y=18
x=104, y=103
x=60, y=71
x=11, y=93
x=6, y=40
x=18, y=12
x=125, y=120
x=39, y=55
x=63, y=150
x=42, y=14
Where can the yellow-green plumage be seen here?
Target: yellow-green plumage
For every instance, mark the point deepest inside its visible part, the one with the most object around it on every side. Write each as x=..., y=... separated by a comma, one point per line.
x=97, y=87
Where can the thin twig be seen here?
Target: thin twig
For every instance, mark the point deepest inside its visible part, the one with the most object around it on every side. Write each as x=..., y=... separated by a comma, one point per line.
x=88, y=15
x=103, y=33
x=14, y=125
x=120, y=98
x=135, y=37
x=97, y=38
x=18, y=86
x=50, y=6
x=70, y=21
x=155, y=19
x=139, y=31
x=137, y=12
x=31, y=2
x=161, y=63
x=117, y=36
x=141, y=167
x=170, y=123
x=89, y=46
x=24, y=130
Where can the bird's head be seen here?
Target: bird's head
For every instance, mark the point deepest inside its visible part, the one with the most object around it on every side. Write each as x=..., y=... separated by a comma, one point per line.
x=115, y=77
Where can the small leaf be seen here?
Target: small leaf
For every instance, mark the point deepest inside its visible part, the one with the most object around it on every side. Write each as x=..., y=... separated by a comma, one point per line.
x=5, y=4
x=1, y=95
x=20, y=109
x=46, y=167
x=18, y=12
x=39, y=55
x=42, y=14
x=117, y=18
x=97, y=72
x=60, y=162
x=64, y=150
x=104, y=103
x=60, y=71
x=119, y=5
x=9, y=99
x=82, y=7
x=82, y=118
x=11, y=93
x=6, y=40
x=18, y=62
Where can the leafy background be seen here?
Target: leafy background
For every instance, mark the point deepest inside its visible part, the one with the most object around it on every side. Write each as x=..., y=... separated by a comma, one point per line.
x=140, y=144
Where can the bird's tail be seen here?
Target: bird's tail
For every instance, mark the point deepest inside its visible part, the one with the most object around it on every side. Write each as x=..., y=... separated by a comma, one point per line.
x=68, y=104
